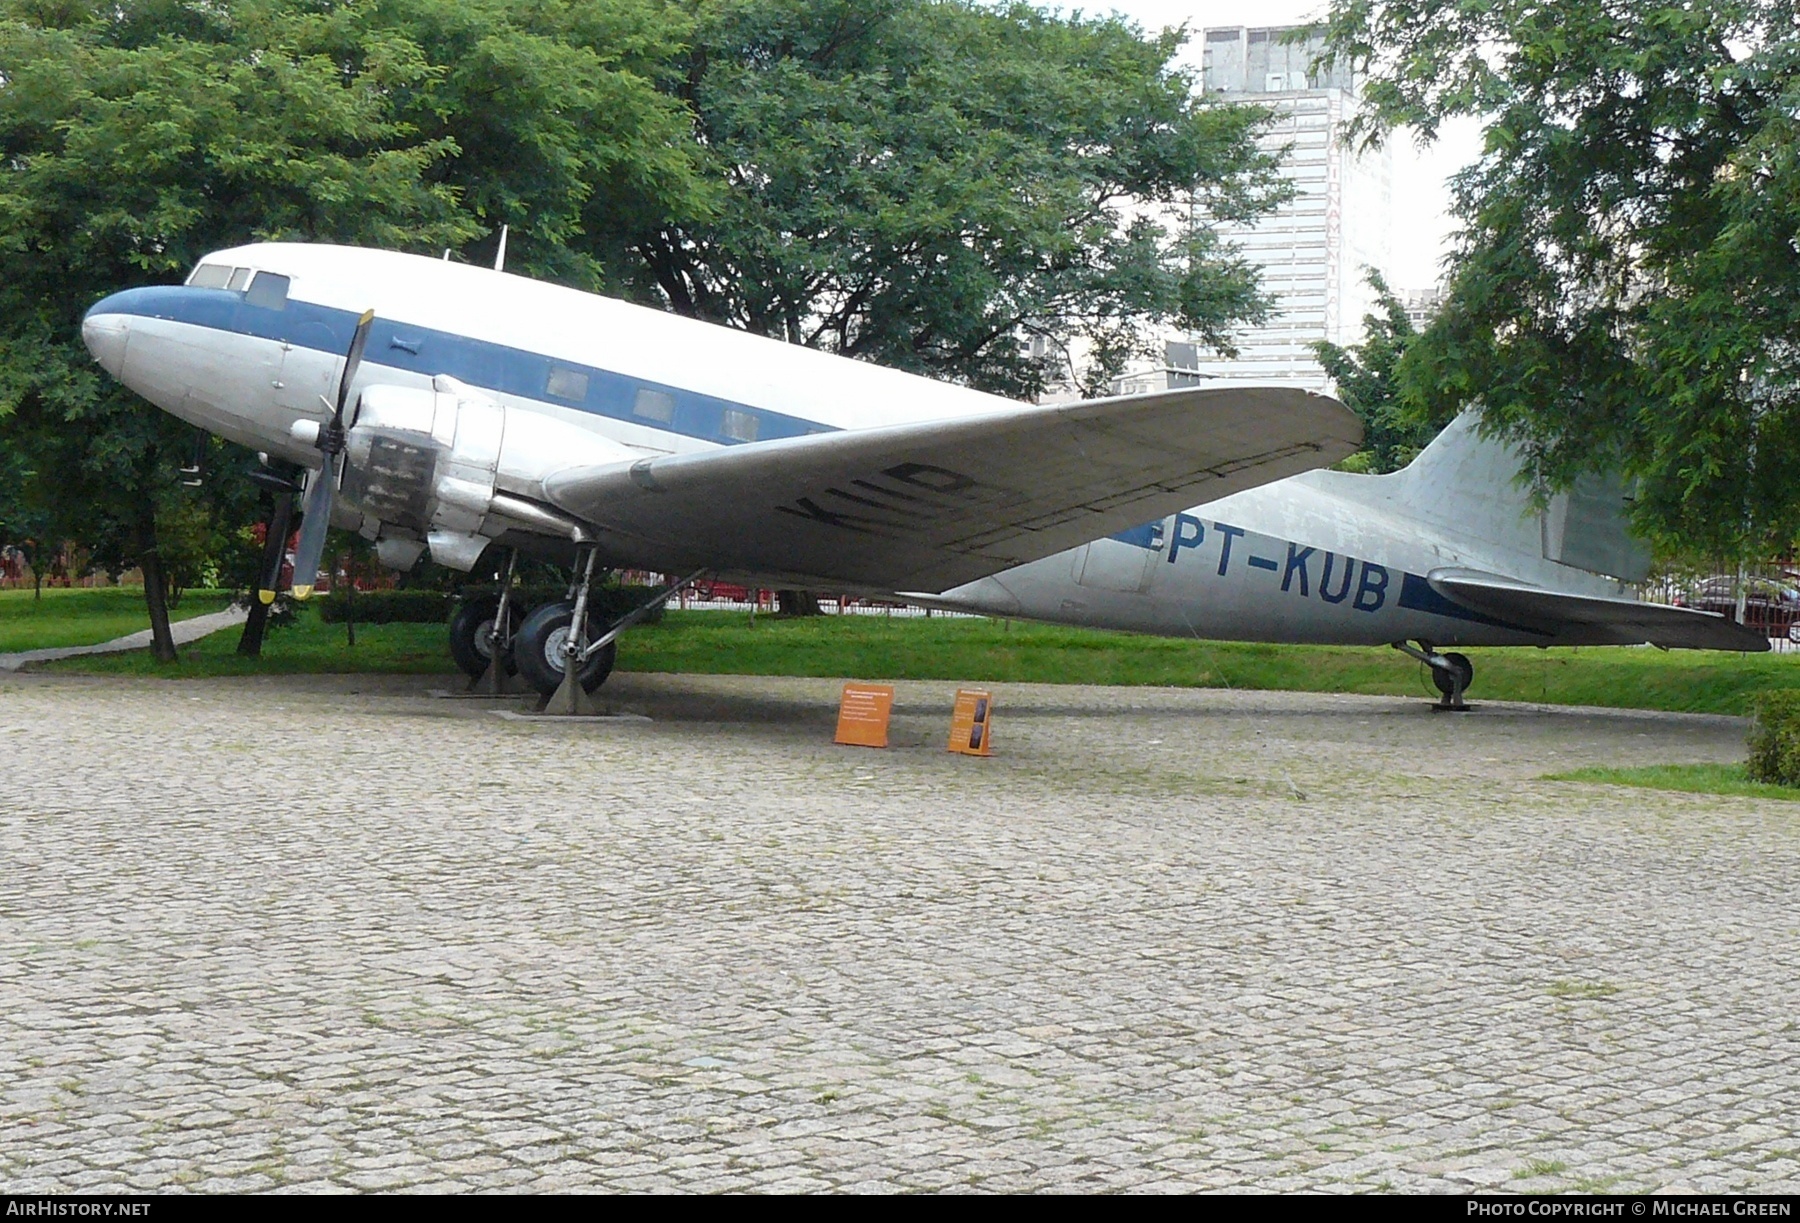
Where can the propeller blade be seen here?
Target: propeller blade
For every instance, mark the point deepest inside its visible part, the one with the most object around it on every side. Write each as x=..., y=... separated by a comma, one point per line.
x=319, y=492
x=313, y=525
x=275, y=542
x=353, y=360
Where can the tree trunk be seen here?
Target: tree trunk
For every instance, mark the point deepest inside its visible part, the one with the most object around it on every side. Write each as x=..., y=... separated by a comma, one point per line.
x=268, y=576
x=349, y=599
x=250, y=641
x=156, y=589
x=797, y=603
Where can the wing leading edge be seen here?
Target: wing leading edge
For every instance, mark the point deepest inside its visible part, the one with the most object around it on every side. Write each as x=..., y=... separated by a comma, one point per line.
x=1577, y=619
x=930, y=506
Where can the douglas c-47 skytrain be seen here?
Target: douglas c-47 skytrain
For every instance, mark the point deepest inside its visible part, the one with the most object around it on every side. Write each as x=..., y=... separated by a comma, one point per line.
x=452, y=408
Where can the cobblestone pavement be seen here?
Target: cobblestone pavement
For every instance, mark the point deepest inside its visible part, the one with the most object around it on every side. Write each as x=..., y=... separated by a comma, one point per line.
x=325, y=934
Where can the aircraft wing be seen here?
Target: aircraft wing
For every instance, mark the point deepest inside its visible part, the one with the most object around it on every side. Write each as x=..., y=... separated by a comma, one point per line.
x=1595, y=618
x=930, y=506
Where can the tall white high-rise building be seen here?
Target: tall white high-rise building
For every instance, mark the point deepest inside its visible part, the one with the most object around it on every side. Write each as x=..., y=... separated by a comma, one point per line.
x=1315, y=251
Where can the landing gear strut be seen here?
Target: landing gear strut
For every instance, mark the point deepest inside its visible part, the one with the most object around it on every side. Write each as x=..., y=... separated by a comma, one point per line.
x=559, y=653
x=481, y=637
x=1450, y=673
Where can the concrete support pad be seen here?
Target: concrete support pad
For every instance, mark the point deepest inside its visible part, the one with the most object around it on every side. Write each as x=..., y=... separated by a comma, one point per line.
x=555, y=719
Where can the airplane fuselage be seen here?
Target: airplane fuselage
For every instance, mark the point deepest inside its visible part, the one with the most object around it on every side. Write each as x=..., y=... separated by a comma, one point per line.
x=1201, y=575
x=254, y=343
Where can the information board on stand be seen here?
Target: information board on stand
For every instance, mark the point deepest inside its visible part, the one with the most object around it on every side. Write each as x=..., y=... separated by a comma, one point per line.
x=863, y=713
x=969, y=730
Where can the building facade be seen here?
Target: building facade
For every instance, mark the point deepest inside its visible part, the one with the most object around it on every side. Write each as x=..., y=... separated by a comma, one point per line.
x=1314, y=252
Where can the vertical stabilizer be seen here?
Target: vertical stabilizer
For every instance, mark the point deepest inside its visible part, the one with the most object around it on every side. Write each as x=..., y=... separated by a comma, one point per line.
x=1470, y=486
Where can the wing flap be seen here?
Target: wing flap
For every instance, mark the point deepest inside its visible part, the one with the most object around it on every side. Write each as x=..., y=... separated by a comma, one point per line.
x=933, y=505
x=1596, y=617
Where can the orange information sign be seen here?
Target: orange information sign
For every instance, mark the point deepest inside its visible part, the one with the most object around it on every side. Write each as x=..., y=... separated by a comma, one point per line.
x=863, y=715
x=969, y=722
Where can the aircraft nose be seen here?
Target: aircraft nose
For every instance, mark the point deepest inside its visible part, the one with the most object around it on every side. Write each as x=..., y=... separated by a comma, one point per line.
x=107, y=336
x=106, y=330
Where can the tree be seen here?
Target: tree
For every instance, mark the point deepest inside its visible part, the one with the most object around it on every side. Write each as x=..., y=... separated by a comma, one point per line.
x=926, y=184
x=929, y=185
x=560, y=118
x=129, y=149
x=1365, y=374
x=1626, y=287
x=136, y=136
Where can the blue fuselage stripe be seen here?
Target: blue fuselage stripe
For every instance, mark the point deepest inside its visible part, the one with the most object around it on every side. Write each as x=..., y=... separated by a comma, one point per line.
x=1144, y=536
x=491, y=367
x=1416, y=592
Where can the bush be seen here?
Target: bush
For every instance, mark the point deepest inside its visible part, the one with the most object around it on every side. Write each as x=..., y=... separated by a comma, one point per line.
x=608, y=603
x=433, y=606
x=388, y=607
x=1775, y=740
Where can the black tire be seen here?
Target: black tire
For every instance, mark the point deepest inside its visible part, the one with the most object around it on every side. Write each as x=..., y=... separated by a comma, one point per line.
x=1446, y=683
x=469, y=628
x=537, y=650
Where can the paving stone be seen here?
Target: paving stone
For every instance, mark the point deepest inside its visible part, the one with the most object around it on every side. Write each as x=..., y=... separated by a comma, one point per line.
x=426, y=949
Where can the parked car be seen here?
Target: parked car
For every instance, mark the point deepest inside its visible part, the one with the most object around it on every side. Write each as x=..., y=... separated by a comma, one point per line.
x=1770, y=604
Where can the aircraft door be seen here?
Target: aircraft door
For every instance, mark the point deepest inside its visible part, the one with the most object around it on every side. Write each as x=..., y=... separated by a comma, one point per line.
x=1121, y=562
x=309, y=369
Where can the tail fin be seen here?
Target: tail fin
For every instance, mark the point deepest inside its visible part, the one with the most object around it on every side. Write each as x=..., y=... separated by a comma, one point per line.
x=1470, y=485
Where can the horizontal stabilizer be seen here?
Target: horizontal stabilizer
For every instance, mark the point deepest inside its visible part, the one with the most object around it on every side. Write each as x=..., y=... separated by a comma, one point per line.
x=1594, y=619
x=933, y=505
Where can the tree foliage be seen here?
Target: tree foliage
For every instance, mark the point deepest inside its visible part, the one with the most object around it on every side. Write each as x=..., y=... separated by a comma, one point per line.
x=1365, y=375
x=926, y=183
x=1626, y=287
x=929, y=185
x=136, y=136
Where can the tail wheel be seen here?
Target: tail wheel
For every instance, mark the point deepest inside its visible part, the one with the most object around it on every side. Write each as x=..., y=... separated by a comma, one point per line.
x=538, y=649
x=469, y=630
x=1464, y=674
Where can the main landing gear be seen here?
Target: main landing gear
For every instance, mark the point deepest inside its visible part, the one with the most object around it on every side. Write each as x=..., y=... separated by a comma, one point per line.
x=562, y=649
x=482, y=633
x=1451, y=674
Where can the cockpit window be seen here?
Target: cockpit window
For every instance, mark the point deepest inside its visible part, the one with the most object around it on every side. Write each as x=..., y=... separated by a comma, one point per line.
x=240, y=278
x=210, y=276
x=268, y=290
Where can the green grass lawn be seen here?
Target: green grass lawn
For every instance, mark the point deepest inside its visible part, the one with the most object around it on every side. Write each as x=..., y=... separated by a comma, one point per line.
x=990, y=651
x=1688, y=778
x=77, y=616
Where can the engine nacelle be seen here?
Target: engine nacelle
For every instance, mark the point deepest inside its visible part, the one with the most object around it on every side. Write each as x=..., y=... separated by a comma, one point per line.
x=429, y=462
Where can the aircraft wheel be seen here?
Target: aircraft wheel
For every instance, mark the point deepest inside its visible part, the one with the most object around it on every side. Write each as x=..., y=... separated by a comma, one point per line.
x=1465, y=671
x=469, y=629
x=538, y=649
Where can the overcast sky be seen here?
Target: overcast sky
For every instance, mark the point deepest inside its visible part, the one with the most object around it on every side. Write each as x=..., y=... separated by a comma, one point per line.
x=1421, y=225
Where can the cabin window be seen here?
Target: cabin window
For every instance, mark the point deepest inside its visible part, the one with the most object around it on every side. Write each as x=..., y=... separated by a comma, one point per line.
x=240, y=278
x=739, y=426
x=567, y=383
x=658, y=406
x=210, y=276
x=268, y=291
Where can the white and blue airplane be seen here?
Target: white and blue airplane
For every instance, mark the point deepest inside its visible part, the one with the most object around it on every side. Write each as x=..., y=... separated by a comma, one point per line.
x=452, y=408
